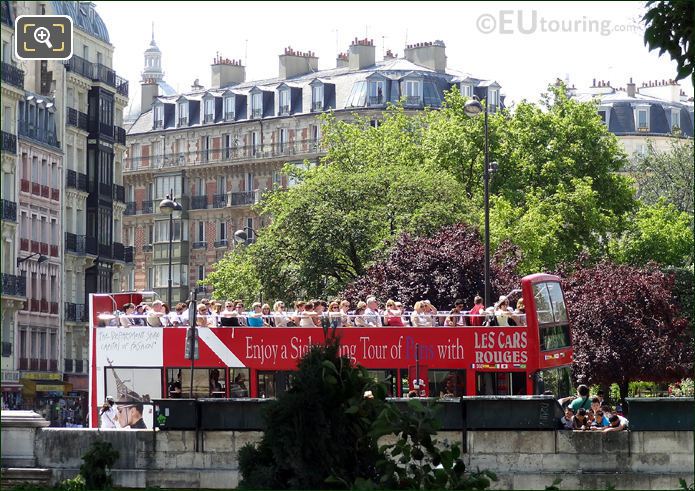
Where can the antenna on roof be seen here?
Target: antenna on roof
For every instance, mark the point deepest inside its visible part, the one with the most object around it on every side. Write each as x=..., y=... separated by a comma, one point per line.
x=153, y=31
x=246, y=51
x=383, y=46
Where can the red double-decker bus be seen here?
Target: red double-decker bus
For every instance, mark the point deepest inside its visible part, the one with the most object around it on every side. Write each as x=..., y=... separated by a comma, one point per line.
x=147, y=363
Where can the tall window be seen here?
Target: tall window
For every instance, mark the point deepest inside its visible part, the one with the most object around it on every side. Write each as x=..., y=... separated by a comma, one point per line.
x=466, y=90
x=201, y=232
x=642, y=123
x=257, y=105
x=209, y=110
x=229, y=108
x=494, y=102
x=254, y=142
x=158, y=116
x=222, y=231
x=376, y=92
x=412, y=89
x=183, y=113
x=164, y=184
x=284, y=101
x=249, y=181
x=227, y=146
x=205, y=145
x=161, y=230
x=317, y=98
x=282, y=138
x=221, y=184
x=675, y=118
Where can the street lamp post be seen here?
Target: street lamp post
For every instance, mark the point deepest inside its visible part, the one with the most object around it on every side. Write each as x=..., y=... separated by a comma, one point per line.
x=473, y=108
x=241, y=237
x=168, y=206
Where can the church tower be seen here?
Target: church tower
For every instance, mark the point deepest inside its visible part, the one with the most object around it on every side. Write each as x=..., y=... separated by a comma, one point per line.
x=153, y=62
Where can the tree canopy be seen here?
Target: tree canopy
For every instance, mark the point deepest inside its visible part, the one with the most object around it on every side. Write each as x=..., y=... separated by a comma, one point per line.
x=555, y=194
x=626, y=325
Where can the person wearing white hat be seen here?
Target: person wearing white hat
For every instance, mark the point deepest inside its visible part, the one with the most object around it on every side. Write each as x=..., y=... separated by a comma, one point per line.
x=108, y=414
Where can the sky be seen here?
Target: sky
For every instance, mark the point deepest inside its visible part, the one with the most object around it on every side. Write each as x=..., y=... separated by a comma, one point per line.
x=522, y=45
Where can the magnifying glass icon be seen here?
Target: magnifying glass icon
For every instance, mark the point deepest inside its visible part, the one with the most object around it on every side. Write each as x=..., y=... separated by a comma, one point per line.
x=43, y=35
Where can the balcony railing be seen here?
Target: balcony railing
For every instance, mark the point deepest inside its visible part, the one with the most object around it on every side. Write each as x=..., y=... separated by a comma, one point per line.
x=200, y=245
x=219, y=200
x=120, y=135
x=317, y=106
x=229, y=116
x=53, y=250
x=118, y=251
x=284, y=110
x=80, y=66
x=102, y=73
x=74, y=243
x=199, y=202
x=257, y=113
x=67, y=363
x=55, y=194
x=128, y=254
x=129, y=208
x=24, y=245
x=12, y=75
x=147, y=248
x=53, y=308
x=118, y=193
x=39, y=134
x=243, y=198
x=9, y=142
x=77, y=119
x=43, y=306
x=221, y=243
x=44, y=249
x=45, y=191
x=105, y=189
x=15, y=286
x=298, y=149
x=183, y=121
x=209, y=118
x=35, y=247
x=147, y=207
x=413, y=100
x=9, y=211
x=122, y=86
x=91, y=246
x=106, y=251
x=376, y=100
x=76, y=180
x=24, y=185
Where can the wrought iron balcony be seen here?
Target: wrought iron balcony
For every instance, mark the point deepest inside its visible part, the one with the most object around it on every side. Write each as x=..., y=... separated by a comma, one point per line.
x=9, y=211
x=15, y=286
x=120, y=135
x=118, y=251
x=284, y=110
x=413, y=100
x=118, y=193
x=9, y=143
x=317, y=106
x=183, y=121
x=29, y=130
x=76, y=180
x=129, y=208
x=219, y=200
x=105, y=189
x=12, y=75
x=91, y=246
x=199, y=202
x=229, y=116
x=77, y=119
x=75, y=312
x=147, y=207
x=257, y=113
x=147, y=248
x=376, y=100
x=200, y=245
x=221, y=243
x=121, y=86
x=244, y=198
x=128, y=254
x=79, y=65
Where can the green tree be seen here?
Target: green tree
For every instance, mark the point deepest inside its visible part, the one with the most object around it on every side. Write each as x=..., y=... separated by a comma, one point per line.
x=658, y=232
x=235, y=276
x=670, y=29
x=666, y=174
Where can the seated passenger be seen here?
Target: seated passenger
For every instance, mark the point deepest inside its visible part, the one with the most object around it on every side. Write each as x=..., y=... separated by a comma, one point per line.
x=268, y=320
x=334, y=315
x=306, y=318
x=520, y=313
x=600, y=421
x=456, y=317
x=393, y=315
x=449, y=389
x=345, y=313
x=420, y=316
x=503, y=312
x=202, y=319
x=280, y=317
x=238, y=388
x=359, y=319
x=299, y=307
x=476, y=316
x=255, y=317
x=155, y=314
x=126, y=320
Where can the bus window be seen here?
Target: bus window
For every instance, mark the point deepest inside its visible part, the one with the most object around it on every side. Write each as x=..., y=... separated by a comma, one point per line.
x=239, y=378
x=271, y=384
x=558, y=381
x=204, y=381
x=447, y=383
x=552, y=316
x=500, y=383
x=388, y=377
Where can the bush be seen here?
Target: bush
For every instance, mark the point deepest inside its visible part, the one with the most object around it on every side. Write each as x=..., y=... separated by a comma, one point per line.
x=98, y=461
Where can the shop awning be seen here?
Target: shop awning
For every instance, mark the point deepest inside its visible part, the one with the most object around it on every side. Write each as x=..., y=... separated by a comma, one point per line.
x=11, y=387
x=32, y=386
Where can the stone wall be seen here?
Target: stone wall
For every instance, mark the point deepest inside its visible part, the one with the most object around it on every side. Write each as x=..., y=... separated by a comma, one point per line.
x=522, y=459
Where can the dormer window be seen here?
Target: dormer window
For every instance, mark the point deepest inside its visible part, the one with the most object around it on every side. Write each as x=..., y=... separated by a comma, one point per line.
x=675, y=119
x=284, y=102
x=257, y=105
x=183, y=113
x=642, y=118
x=376, y=92
x=209, y=110
x=493, y=99
x=466, y=90
x=412, y=93
x=229, y=108
x=317, y=98
x=158, y=116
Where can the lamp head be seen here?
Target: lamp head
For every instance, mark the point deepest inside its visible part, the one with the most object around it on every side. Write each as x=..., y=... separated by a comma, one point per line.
x=240, y=237
x=167, y=206
x=472, y=107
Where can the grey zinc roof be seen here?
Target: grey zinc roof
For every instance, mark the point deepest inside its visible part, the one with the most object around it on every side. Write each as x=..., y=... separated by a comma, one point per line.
x=84, y=16
x=342, y=79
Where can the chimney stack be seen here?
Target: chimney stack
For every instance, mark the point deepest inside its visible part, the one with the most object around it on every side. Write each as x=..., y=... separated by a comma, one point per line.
x=342, y=60
x=390, y=55
x=361, y=54
x=195, y=87
x=631, y=89
x=149, y=92
x=226, y=72
x=430, y=55
x=295, y=63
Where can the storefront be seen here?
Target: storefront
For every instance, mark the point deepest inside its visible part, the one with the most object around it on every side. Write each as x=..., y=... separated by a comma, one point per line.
x=77, y=400
x=11, y=390
x=46, y=394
